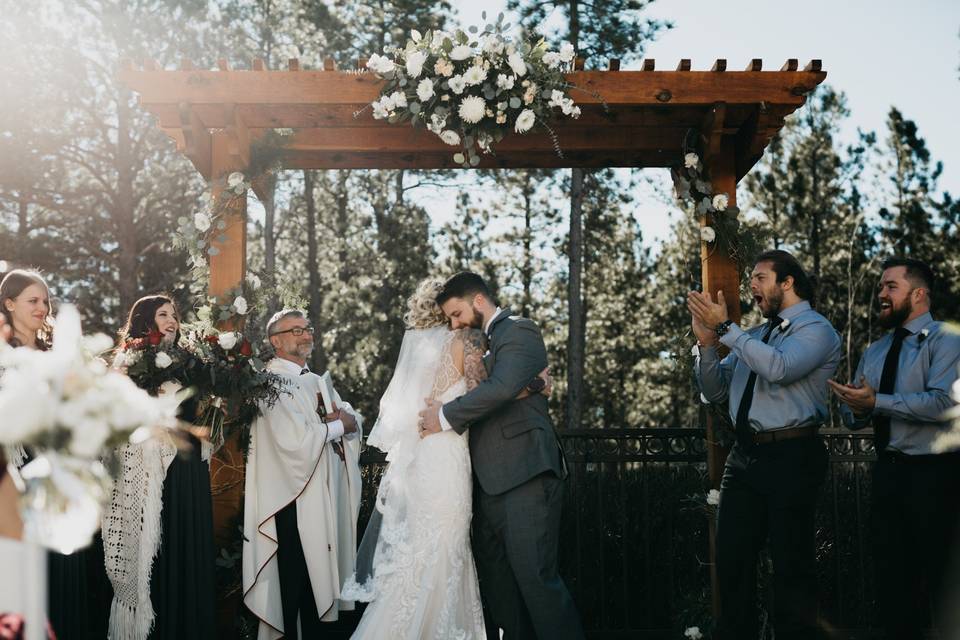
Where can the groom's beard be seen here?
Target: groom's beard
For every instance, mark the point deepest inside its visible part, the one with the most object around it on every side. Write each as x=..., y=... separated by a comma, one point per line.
x=477, y=321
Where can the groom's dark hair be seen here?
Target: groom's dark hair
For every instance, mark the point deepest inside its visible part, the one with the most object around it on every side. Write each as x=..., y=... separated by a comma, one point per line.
x=465, y=284
x=784, y=264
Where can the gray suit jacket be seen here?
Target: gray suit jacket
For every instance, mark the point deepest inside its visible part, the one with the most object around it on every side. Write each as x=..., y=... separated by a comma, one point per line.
x=511, y=440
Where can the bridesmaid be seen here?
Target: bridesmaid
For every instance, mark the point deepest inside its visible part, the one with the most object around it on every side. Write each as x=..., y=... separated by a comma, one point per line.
x=181, y=581
x=26, y=308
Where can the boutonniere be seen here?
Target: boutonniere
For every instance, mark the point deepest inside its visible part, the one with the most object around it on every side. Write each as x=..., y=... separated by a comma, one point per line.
x=923, y=335
x=785, y=324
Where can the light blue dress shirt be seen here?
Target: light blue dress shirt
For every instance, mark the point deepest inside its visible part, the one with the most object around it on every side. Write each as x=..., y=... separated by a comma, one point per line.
x=792, y=370
x=921, y=394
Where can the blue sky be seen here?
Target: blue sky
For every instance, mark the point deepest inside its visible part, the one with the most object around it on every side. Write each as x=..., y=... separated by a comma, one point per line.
x=881, y=53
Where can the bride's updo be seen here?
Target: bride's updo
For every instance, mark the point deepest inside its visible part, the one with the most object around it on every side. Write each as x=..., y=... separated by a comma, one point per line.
x=423, y=312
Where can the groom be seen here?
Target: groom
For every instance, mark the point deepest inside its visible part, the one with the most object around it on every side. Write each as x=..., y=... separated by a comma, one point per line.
x=518, y=465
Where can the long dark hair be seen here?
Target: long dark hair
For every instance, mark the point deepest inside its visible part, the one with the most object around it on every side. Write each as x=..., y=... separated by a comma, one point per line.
x=142, y=318
x=11, y=287
x=784, y=264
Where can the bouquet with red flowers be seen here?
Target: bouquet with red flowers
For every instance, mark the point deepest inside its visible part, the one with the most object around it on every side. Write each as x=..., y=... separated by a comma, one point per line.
x=155, y=365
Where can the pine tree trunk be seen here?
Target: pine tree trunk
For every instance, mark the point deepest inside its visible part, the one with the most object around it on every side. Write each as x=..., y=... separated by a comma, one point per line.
x=123, y=214
x=575, y=339
x=526, y=273
x=318, y=360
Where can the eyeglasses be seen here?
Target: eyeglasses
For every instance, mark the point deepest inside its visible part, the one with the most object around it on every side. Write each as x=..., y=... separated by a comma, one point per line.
x=297, y=331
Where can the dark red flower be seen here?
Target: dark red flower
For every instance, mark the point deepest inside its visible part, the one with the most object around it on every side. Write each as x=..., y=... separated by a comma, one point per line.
x=212, y=339
x=154, y=337
x=246, y=349
x=136, y=343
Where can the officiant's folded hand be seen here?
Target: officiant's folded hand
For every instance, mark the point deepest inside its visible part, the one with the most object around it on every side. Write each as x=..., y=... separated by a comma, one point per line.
x=347, y=418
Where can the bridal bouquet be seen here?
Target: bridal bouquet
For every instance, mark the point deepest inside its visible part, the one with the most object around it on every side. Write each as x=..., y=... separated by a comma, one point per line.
x=155, y=366
x=472, y=89
x=69, y=408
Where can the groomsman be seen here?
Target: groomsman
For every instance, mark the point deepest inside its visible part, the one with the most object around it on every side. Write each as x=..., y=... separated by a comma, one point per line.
x=774, y=382
x=902, y=387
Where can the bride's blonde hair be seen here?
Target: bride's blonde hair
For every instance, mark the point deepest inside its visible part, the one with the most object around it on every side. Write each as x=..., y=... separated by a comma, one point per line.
x=423, y=312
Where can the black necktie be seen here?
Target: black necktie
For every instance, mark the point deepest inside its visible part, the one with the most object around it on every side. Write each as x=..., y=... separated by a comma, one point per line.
x=888, y=380
x=744, y=432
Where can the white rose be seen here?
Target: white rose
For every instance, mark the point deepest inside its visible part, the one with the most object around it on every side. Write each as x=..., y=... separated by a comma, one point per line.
x=235, y=179
x=720, y=201
x=556, y=98
x=398, y=99
x=437, y=123
x=450, y=137
x=254, y=281
x=493, y=45
x=227, y=340
x=525, y=121
x=170, y=388
x=380, y=64
x=517, y=64
x=201, y=221
x=380, y=111
x=163, y=360
x=693, y=633
x=240, y=305
x=713, y=497
x=472, y=109
x=566, y=52
x=415, y=63
x=690, y=160
x=425, y=89
x=461, y=52
x=475, y=75
x=505, y=82
x=707, y=234
x=457, y=85
x=551, y=59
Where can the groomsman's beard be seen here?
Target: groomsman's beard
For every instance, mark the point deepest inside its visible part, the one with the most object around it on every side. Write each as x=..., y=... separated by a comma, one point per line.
x=774, y=304
x=896, y=314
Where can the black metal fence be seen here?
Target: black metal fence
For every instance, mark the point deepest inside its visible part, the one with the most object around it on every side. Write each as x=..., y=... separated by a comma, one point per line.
x=634, y=544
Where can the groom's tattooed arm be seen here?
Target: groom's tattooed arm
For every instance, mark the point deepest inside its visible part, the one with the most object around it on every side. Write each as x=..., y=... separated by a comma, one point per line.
x=474, y=345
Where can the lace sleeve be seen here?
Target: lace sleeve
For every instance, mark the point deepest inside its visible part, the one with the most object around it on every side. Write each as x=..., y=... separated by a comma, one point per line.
x=474, y=346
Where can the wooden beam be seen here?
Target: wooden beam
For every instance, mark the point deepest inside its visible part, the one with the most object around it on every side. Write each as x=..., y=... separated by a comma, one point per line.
x=238, y=135
x=814, y=66
x=578, y=63
x=198, y=145
x=790, y=65
x=684, y=64
x=259, y=64
x=186, y=64
x=223, y=65
x=649, y=64
x=293, y=64
x=614, y=64
x=329, y=64
x=755, y=65
x=711, y=131
x=719, y=66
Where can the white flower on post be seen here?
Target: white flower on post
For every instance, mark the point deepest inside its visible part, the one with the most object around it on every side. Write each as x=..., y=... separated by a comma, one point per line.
x=472, y=109
x=713, y=497
x=235, y=179
x=690, y=160
x=415, y=63
x=720, y=201
x=525, y=121
x=518, y=64
x=707, y=234
x=551, y=59
x=505, y=82
x=566, y=52
x=240, y=305
x=475, y=75
x=228, y=340
x=450, y=137
x=461, y=52
x=254, y=281
x=380, y=109
x=457, y=85
x=201, y=221
x=380, y=64
x=693, y=633
x=425, y=89
x=398, y=99
x=163, y=360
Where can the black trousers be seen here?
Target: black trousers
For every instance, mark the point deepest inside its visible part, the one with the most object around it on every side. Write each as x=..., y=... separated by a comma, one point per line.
x=915, y=506
x=296, y=594
x=769, y=494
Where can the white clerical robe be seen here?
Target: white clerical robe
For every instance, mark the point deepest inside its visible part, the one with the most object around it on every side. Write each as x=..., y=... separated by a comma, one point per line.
x=292, y=458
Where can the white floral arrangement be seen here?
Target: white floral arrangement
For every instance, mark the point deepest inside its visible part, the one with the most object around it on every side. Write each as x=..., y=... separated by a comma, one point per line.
x=196, y=233
x=472, y=89
x=70, y=409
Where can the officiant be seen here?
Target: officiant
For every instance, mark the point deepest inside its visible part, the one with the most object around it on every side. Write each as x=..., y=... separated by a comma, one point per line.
x=302, y=495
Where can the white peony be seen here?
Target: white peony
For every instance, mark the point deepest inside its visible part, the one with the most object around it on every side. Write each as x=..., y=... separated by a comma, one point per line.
x=690, y=160
x=201, y=221
x=450, y=137
x=235, y=179
x=707, y=234
x=713, y=497
x=398, y=99
x=240, y=305
x=525, y=121
x=566, y=52
x=457, y=85
x=380, y=64
x=475, y=75
x=493, y=45
x=551, y=59
x=437, y=123
x=693, y=633
x=443, y=68
x=720, y=202
x=415, y=63
x=163, y=360
x=461, y=52
x=425, y=89
x=472, y=109
x=228, y=340
x=517, y=63
x=505, y=82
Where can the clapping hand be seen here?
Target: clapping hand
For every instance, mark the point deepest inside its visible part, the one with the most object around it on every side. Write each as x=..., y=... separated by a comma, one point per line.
x=860, y=398
x=706, y=315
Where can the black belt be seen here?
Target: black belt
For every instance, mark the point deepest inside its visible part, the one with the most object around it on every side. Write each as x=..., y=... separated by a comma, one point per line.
x=767, y=437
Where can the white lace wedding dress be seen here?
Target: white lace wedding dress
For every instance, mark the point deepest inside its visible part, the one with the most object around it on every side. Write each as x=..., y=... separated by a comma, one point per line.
x=420, y=577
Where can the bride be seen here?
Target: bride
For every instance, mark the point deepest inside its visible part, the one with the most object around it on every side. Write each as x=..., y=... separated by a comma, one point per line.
x=415, y=566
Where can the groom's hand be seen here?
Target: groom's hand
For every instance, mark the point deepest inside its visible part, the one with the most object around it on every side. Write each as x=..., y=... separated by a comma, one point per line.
x=430, y=418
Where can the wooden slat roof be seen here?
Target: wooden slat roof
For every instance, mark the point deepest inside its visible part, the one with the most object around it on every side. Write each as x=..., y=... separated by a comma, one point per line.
x=649, y=115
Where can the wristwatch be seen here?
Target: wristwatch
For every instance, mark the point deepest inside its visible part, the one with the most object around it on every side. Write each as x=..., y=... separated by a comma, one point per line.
x=536, y=385
x=723, y=327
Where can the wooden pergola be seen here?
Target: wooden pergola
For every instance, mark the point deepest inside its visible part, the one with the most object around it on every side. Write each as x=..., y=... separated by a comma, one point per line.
x=647, y=118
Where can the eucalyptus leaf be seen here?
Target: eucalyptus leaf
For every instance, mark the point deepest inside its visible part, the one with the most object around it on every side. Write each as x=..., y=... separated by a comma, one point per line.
x=472, y=29
x=483, y=15
x=468, y=141
x=393, y=119
x=182, y=220
x=403, y=82
x=447, y=45
x=458, y=158
x=515, y=103
x=474, y=161
x=505, y=27
x=414, y=108
x=213, y=251
x=221, y=225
